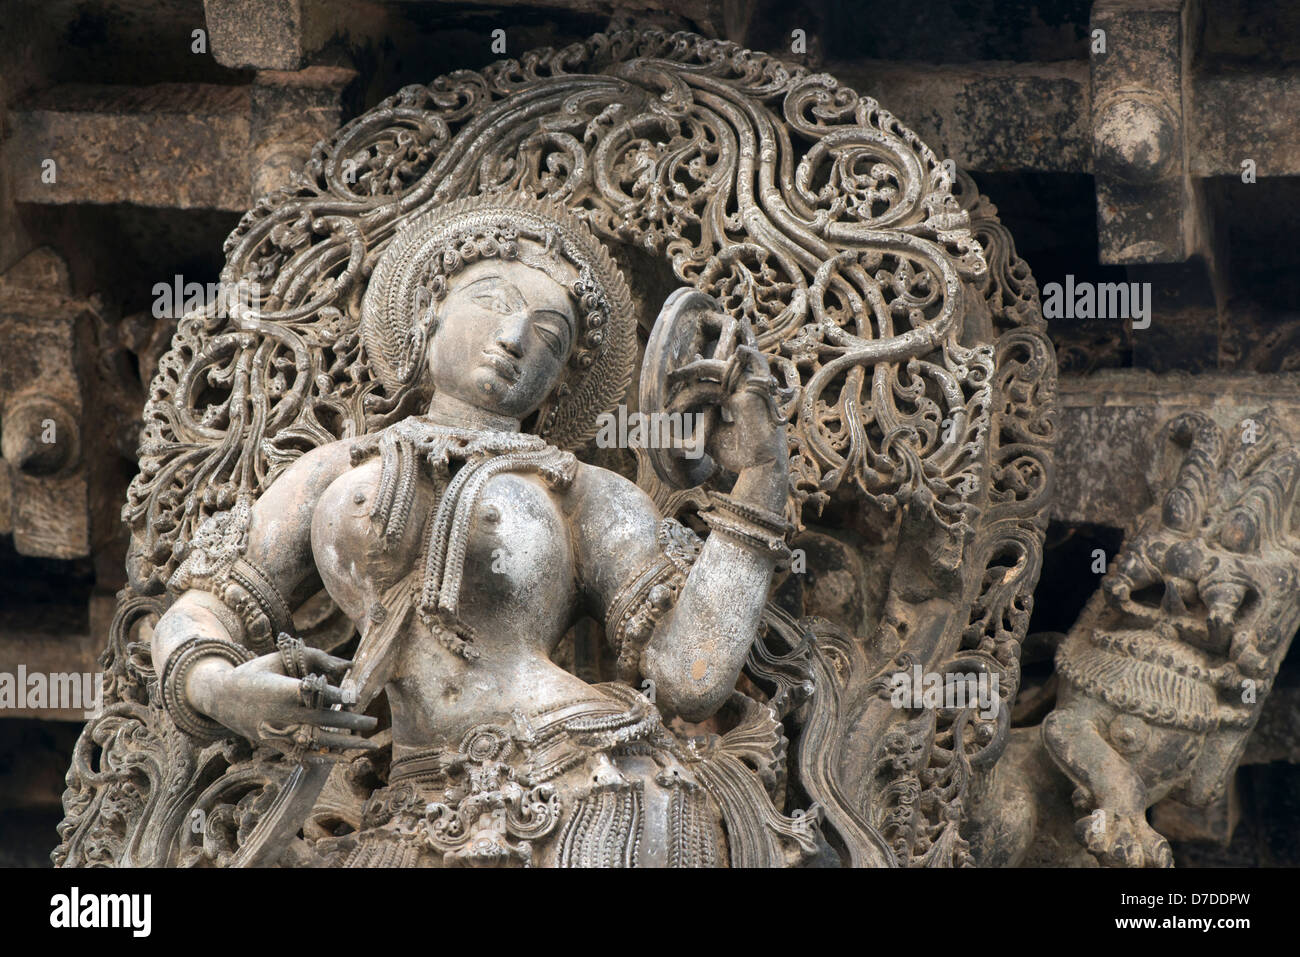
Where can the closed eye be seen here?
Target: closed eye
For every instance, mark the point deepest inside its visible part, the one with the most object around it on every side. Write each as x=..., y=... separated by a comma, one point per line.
x=553, y=337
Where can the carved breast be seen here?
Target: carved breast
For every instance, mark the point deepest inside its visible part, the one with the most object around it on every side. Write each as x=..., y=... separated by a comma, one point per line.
x=518, y=586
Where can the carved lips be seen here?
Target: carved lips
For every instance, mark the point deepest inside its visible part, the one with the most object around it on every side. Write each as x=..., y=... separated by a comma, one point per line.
x=502, y=364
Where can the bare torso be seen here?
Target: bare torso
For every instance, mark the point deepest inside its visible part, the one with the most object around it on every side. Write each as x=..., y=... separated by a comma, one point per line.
x=520, y=596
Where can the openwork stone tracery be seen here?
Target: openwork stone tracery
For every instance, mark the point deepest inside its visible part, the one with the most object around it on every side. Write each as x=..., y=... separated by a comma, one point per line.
x=906, y=345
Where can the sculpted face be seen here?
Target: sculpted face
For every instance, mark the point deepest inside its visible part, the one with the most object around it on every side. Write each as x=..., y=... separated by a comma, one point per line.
x=505, y=332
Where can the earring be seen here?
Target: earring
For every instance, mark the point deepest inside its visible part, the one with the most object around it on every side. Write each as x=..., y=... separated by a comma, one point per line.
x=415, y=340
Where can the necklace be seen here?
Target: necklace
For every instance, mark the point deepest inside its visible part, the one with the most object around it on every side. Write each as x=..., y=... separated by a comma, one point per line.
x=416, y=442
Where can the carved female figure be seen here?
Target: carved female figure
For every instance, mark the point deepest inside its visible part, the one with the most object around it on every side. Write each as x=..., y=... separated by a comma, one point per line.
x=463, y=541
x=464, y=546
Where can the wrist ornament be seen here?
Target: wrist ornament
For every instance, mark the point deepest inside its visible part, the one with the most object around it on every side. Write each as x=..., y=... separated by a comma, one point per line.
x=183, y=659
x=750, y=525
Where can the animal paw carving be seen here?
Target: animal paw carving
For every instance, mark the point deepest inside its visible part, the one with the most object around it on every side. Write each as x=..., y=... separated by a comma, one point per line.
x=1119, y=840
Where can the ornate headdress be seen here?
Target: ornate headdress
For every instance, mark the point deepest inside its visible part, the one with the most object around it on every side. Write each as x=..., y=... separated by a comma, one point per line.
x=399, y=312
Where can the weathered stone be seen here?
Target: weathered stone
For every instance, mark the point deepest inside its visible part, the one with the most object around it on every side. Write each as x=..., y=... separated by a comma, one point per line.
x=1135, y=138
x=1109, y=419
x=290, y=113
x=177, y=145
x=990, y=117
x=1245, y=116
x=1146, y=209
x=987, y=117
x=173, y=144
x=261, y=34
x=291, y=34
x=46, y=333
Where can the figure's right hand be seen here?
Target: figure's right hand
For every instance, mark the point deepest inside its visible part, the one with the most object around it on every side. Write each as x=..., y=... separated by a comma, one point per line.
x=258, y=692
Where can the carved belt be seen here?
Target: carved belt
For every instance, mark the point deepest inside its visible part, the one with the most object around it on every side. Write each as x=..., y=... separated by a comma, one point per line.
x=491, y=799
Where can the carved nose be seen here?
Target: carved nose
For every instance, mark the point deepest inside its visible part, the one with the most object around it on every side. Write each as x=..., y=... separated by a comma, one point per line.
x=510, y=336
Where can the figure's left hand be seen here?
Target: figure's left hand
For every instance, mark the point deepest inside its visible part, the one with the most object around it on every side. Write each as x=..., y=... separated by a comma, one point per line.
x=743, y=427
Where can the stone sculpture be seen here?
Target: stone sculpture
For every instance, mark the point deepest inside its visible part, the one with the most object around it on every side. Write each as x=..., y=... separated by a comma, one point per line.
x=375, y=549
x=1163, y=674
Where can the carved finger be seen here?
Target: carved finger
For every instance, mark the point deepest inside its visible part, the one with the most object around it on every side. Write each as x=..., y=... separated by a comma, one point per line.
x=337, y=719
x=701, y=370
x=728, y=333
x=696, y=395
x=758, y=379
x=269, y=686
x=754, y=360
x=1186, y=502
x=315, y=691
x=344, y=742
x=324, y=662
x=265, y=664
x=724, y=326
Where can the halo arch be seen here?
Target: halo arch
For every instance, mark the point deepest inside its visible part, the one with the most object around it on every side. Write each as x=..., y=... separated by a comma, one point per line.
x=919, y=385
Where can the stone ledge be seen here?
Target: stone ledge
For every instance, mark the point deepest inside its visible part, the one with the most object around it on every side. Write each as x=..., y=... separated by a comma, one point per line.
x=1110, y=419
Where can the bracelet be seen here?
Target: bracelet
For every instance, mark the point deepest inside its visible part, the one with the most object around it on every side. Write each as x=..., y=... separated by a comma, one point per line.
x=748, y=535
x=175, y=673
x=638, y=609
x=647, y=596
x=214, y=563
x=267, y=598
x=751, y=514
x=291, y=654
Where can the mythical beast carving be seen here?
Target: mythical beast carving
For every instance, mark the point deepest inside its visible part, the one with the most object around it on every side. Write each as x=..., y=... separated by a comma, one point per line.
x=1162, y=678
x=375, y=551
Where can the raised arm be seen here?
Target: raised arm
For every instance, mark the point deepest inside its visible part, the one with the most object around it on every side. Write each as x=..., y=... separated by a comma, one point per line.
x=696, y=656
x=688, y=631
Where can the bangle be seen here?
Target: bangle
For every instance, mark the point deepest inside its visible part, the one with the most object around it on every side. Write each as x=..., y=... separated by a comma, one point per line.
x=773, y=545
x=214, y=562
x=644, y=599
x=750, y=514
x=636, y=611
x=176, y=672
x=267, y=603
x=292, y=655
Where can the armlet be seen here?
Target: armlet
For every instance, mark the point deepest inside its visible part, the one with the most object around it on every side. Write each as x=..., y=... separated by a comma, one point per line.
x=214, y=563
x=642, y=601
